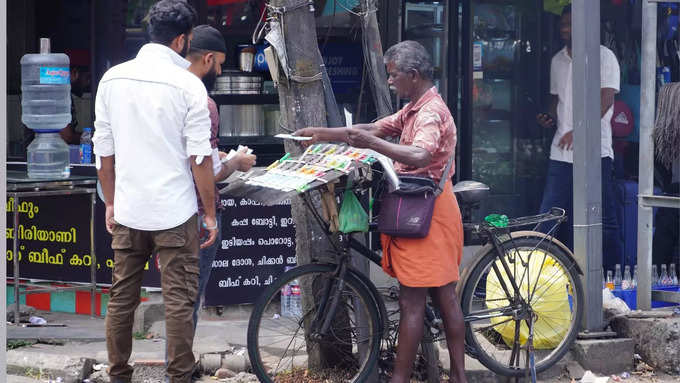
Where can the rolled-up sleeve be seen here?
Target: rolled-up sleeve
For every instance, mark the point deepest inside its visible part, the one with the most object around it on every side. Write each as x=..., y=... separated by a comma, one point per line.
x=197, y=123
x=391, y=126
x=103, y=145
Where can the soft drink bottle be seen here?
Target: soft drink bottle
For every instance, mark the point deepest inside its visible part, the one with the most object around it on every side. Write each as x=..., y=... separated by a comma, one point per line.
x=610, y=280
x=617, y=276
x=86, y=146
x=295, y=300
x=627, y=282
x=285, y=300
x=655, y=276
x=663, y=279
x=673, y=275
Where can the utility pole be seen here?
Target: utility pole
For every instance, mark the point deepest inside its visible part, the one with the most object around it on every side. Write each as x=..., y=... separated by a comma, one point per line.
x=587, y=171
x=302, y=103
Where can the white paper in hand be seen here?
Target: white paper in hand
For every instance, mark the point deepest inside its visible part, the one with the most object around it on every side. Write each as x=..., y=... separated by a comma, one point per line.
x=292, y=137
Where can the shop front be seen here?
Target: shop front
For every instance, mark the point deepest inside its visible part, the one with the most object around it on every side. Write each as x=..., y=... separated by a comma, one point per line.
x=492, y=66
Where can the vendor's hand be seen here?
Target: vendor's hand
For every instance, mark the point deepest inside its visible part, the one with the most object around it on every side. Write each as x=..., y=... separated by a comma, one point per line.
x=545, y=120
x=307, y=132
x=567, y=141
x=244, y=161
x=360, y=138
x=109, y=218
x=210, y=224
x=222, y=155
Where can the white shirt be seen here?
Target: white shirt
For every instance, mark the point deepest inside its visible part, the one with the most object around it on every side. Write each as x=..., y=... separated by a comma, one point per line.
x=561, y=86
x=152, y=114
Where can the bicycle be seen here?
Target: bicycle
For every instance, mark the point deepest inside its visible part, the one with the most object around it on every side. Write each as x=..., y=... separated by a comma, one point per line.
x=512, y=327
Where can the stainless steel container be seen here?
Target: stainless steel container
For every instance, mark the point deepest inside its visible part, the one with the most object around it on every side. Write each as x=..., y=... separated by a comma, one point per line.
x=272, y=116
x=236, y=82
x=241, y=120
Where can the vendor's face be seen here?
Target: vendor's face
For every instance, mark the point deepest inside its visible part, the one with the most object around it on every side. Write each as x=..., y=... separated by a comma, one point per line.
x=565, y=28
x=399, y=82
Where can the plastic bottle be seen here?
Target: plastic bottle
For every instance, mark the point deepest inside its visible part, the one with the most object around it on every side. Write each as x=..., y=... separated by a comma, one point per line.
x=610, y=280
x=673, y=275
x=664, y=280
x=285, y=300
x=86, y=146
x=48, y=157
x=295, y=300
x=286, y=295
x=46, y=108
x=635, y=278
x=626, y=283
x=655, y=276
x=617, y=276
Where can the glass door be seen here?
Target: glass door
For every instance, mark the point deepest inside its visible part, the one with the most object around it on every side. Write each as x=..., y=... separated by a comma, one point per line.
x=502, y=144
x=426, y=22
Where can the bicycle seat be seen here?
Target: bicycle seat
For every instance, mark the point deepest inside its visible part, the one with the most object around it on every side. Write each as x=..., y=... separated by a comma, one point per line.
x=470, y=192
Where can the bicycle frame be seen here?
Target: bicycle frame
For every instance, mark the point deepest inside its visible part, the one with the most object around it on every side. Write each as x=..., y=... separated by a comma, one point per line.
x=517, y=309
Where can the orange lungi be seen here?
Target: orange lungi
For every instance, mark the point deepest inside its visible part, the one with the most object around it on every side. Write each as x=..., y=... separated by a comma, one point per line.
x=431, y=261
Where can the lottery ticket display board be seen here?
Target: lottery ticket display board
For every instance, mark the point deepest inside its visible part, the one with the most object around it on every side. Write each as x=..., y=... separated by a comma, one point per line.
x=318, y=165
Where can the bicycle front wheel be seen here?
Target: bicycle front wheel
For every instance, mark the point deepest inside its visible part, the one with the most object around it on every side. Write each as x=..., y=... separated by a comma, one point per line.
x=549, y=291
x=296, y=348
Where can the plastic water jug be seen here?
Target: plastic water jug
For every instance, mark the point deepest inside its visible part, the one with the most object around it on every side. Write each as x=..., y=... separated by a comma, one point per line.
x=46, y=108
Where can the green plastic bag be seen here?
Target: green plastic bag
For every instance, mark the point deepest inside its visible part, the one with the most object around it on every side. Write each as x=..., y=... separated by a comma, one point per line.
x=352, y=217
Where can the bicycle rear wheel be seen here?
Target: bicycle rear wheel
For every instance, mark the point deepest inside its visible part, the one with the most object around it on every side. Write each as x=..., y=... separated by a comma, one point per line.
x=496, y=322
x=291, y=348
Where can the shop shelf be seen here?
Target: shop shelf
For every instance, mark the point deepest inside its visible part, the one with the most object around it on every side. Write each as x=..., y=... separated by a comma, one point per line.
x=245, y=99
x=249, y=140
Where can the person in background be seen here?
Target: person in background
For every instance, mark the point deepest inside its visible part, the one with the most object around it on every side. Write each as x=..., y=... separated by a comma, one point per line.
x=152, y=144
x=207, y=54
x=427, y=140
x=559, y=183
x=80, y=83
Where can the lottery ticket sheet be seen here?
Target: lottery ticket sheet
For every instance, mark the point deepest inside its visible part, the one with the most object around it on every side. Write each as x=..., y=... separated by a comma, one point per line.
x=319, y=164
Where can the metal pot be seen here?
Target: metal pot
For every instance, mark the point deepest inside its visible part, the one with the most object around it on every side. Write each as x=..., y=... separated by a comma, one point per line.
x=241, y=120
x=236, y=82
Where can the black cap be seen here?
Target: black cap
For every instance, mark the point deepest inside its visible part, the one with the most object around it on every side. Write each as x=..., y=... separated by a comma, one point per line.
x=208, y=38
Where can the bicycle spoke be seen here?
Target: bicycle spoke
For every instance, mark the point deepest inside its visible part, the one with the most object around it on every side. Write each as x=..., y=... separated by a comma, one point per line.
x=483, y=329
x=553, y=282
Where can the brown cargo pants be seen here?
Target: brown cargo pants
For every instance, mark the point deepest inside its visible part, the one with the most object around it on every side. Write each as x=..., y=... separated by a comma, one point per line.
x=177, y=249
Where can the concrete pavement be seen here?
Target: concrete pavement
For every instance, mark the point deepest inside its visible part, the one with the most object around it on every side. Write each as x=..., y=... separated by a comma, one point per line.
x=71, y=352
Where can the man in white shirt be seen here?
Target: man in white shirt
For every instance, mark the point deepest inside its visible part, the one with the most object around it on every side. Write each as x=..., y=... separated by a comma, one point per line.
x=152, y=142
x=559, y=183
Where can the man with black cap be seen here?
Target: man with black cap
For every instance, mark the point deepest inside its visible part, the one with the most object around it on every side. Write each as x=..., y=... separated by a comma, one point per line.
x=206, y=55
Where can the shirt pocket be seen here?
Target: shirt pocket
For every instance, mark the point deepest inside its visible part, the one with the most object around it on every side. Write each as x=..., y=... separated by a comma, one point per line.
x=121, y=237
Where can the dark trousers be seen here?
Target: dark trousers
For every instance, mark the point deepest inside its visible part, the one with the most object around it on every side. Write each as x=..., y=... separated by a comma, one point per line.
x=558, y=192
x=177, y=249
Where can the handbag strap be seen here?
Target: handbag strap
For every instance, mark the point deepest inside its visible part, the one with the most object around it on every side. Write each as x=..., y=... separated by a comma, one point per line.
x=445, y=176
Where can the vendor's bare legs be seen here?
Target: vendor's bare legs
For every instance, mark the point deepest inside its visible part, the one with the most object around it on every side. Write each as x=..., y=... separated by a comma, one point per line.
x=412, y=312
x=454, y=328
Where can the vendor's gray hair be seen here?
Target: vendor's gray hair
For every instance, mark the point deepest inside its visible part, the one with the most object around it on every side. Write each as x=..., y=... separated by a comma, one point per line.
x=410, y=55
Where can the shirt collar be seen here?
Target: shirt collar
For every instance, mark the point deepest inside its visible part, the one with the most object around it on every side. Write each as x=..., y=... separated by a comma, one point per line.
x=565, y=53
x=162, y=52
x=424, y=99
